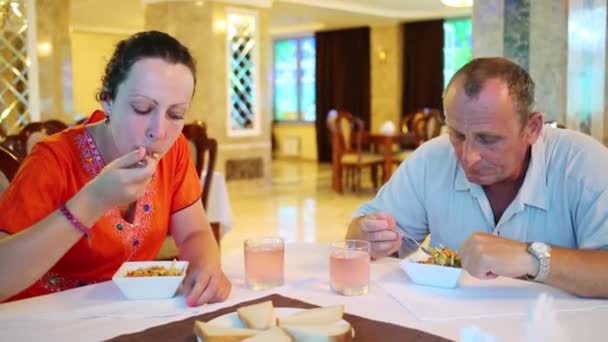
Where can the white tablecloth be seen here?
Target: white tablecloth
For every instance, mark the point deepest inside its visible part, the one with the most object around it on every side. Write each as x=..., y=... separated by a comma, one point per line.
x=218, y=204
x=99, y=311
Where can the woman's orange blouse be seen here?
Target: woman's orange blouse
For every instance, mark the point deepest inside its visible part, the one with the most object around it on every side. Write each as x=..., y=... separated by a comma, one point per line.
x=62, y=164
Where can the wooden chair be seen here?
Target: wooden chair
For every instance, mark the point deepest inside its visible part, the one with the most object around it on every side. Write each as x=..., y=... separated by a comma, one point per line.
x=433, y=123
x=347, y=151
x=202, y=148
x=9, y=164
x=416, y=126
x=23, y=142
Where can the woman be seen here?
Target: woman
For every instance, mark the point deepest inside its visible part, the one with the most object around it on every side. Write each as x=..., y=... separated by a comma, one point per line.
x=91, y=197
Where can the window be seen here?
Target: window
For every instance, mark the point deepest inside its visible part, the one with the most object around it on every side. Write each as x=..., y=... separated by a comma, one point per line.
x=242, y=73
x=294, y=79
x=457, y=46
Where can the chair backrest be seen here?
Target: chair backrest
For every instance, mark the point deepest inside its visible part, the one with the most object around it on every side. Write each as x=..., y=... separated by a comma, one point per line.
x=196, y=133
x=425, y=124
x=433, y=111
x=13, y=144
x=22, y=143
x=406, y=123
x=9, y=164
x=418, y=127
x=346, y=132
x=202, y=147
x=433, y=125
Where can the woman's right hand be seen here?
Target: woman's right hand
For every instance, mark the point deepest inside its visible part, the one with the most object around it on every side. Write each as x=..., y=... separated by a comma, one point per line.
x=124, y=180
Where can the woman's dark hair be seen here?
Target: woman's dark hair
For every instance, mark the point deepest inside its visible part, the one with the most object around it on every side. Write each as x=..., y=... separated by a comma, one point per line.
x=149, y=44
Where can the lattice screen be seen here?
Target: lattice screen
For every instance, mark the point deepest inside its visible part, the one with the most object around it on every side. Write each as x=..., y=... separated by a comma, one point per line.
x=14, y=66
x=242, y=69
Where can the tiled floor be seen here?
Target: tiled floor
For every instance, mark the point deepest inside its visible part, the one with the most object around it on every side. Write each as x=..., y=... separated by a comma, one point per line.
x=298, y=205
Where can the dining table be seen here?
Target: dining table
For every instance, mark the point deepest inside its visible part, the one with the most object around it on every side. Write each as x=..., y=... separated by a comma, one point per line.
x=394, y=309
x=387, y=143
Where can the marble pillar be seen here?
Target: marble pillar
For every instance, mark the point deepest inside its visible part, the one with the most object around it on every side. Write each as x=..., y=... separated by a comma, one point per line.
x=202, y=28
x=386, y=67
x=54, y=59
x=533, y=34
x=549, y=56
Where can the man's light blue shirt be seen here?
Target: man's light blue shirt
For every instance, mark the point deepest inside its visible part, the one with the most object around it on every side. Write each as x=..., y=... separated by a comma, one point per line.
x=563, y=200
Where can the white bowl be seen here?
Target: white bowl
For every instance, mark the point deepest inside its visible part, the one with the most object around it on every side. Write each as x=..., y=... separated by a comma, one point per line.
x=431, y=275
x=157, y=287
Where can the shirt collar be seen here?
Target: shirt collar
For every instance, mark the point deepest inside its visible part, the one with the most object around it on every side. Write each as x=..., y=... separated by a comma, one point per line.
x=533, y=191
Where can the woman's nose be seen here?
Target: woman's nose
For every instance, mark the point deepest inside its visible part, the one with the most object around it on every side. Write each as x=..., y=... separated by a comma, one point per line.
x=156, y=128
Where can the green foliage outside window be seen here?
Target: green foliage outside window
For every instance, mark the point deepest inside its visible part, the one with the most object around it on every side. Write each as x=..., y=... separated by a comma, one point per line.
x=457, y=49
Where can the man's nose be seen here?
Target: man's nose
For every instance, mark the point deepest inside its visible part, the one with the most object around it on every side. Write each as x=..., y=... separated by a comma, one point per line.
x=470, y=154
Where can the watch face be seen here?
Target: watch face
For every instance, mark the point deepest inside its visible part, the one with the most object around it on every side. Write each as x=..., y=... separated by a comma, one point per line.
x=540, y=247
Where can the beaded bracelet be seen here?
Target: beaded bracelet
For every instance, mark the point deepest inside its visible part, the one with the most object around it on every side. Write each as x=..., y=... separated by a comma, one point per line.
x=74, y=221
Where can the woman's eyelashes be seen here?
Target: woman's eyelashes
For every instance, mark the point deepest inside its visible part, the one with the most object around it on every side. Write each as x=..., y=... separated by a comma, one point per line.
x=142, y=111
x=176, y=116
x=172, y=114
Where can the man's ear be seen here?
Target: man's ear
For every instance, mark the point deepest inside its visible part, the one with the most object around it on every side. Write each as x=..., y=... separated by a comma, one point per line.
x=534, y=127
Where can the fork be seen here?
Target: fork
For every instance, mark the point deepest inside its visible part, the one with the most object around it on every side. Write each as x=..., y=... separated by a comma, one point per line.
x=405, y=236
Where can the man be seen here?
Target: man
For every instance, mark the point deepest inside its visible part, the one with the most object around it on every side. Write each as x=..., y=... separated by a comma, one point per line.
x=514, y=197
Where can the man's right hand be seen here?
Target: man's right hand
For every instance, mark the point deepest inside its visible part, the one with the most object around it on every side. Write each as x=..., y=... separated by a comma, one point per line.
x=381, y=231
x=124, y=180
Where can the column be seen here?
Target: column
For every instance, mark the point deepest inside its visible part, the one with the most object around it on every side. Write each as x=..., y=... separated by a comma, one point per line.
x=203, y=27
x=54, y=59
x=386, y=71
x=532, y=34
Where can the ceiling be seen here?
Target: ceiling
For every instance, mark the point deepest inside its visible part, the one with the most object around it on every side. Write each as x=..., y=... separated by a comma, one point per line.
x=286, y=15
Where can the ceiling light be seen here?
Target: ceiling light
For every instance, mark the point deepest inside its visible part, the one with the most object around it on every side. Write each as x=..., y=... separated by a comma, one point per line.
x=458, y=3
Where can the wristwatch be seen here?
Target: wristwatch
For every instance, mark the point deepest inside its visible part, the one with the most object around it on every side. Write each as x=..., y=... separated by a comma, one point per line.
x=542, y=252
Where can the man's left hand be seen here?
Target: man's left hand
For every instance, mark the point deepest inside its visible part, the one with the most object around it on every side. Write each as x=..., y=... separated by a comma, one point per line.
x=207, y=285
x=487, y=256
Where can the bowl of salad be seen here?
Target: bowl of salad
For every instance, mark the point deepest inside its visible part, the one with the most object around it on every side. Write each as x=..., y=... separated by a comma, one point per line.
x=443, y=268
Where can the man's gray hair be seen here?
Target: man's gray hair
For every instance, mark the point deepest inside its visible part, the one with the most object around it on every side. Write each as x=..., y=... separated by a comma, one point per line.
x=521, y=87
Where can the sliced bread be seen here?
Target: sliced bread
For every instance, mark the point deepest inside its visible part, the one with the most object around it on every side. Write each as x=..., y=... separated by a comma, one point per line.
x=274, y=334
x=332, y=332
x=324, y=315
x=257, y=316
x=214, y=333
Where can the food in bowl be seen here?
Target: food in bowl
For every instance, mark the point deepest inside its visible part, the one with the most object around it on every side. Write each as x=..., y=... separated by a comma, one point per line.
x=156, y=271
x=142, y=285
x=443, y=256
x=423, y=270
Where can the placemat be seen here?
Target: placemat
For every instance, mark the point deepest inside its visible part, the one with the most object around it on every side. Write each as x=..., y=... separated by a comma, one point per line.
x=365, y=329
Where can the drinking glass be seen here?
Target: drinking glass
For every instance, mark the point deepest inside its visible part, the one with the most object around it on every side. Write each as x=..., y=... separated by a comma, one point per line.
x=264, y=262
x=349, y=264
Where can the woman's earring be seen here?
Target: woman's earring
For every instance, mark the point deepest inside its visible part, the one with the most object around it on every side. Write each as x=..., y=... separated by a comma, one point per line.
x=107, y=119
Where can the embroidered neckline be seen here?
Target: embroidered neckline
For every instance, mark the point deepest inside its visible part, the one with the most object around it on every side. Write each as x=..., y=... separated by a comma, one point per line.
x=132, y=234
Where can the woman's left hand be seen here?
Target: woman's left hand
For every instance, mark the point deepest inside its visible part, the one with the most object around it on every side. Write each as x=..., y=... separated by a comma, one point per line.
x=206, y=285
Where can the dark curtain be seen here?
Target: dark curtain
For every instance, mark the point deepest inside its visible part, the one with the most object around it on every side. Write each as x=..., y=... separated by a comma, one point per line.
x=342, y=80
x=422, y=66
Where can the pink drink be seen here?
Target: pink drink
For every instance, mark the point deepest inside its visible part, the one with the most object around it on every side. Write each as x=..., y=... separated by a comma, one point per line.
x=349, y=271
x=263, y=264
